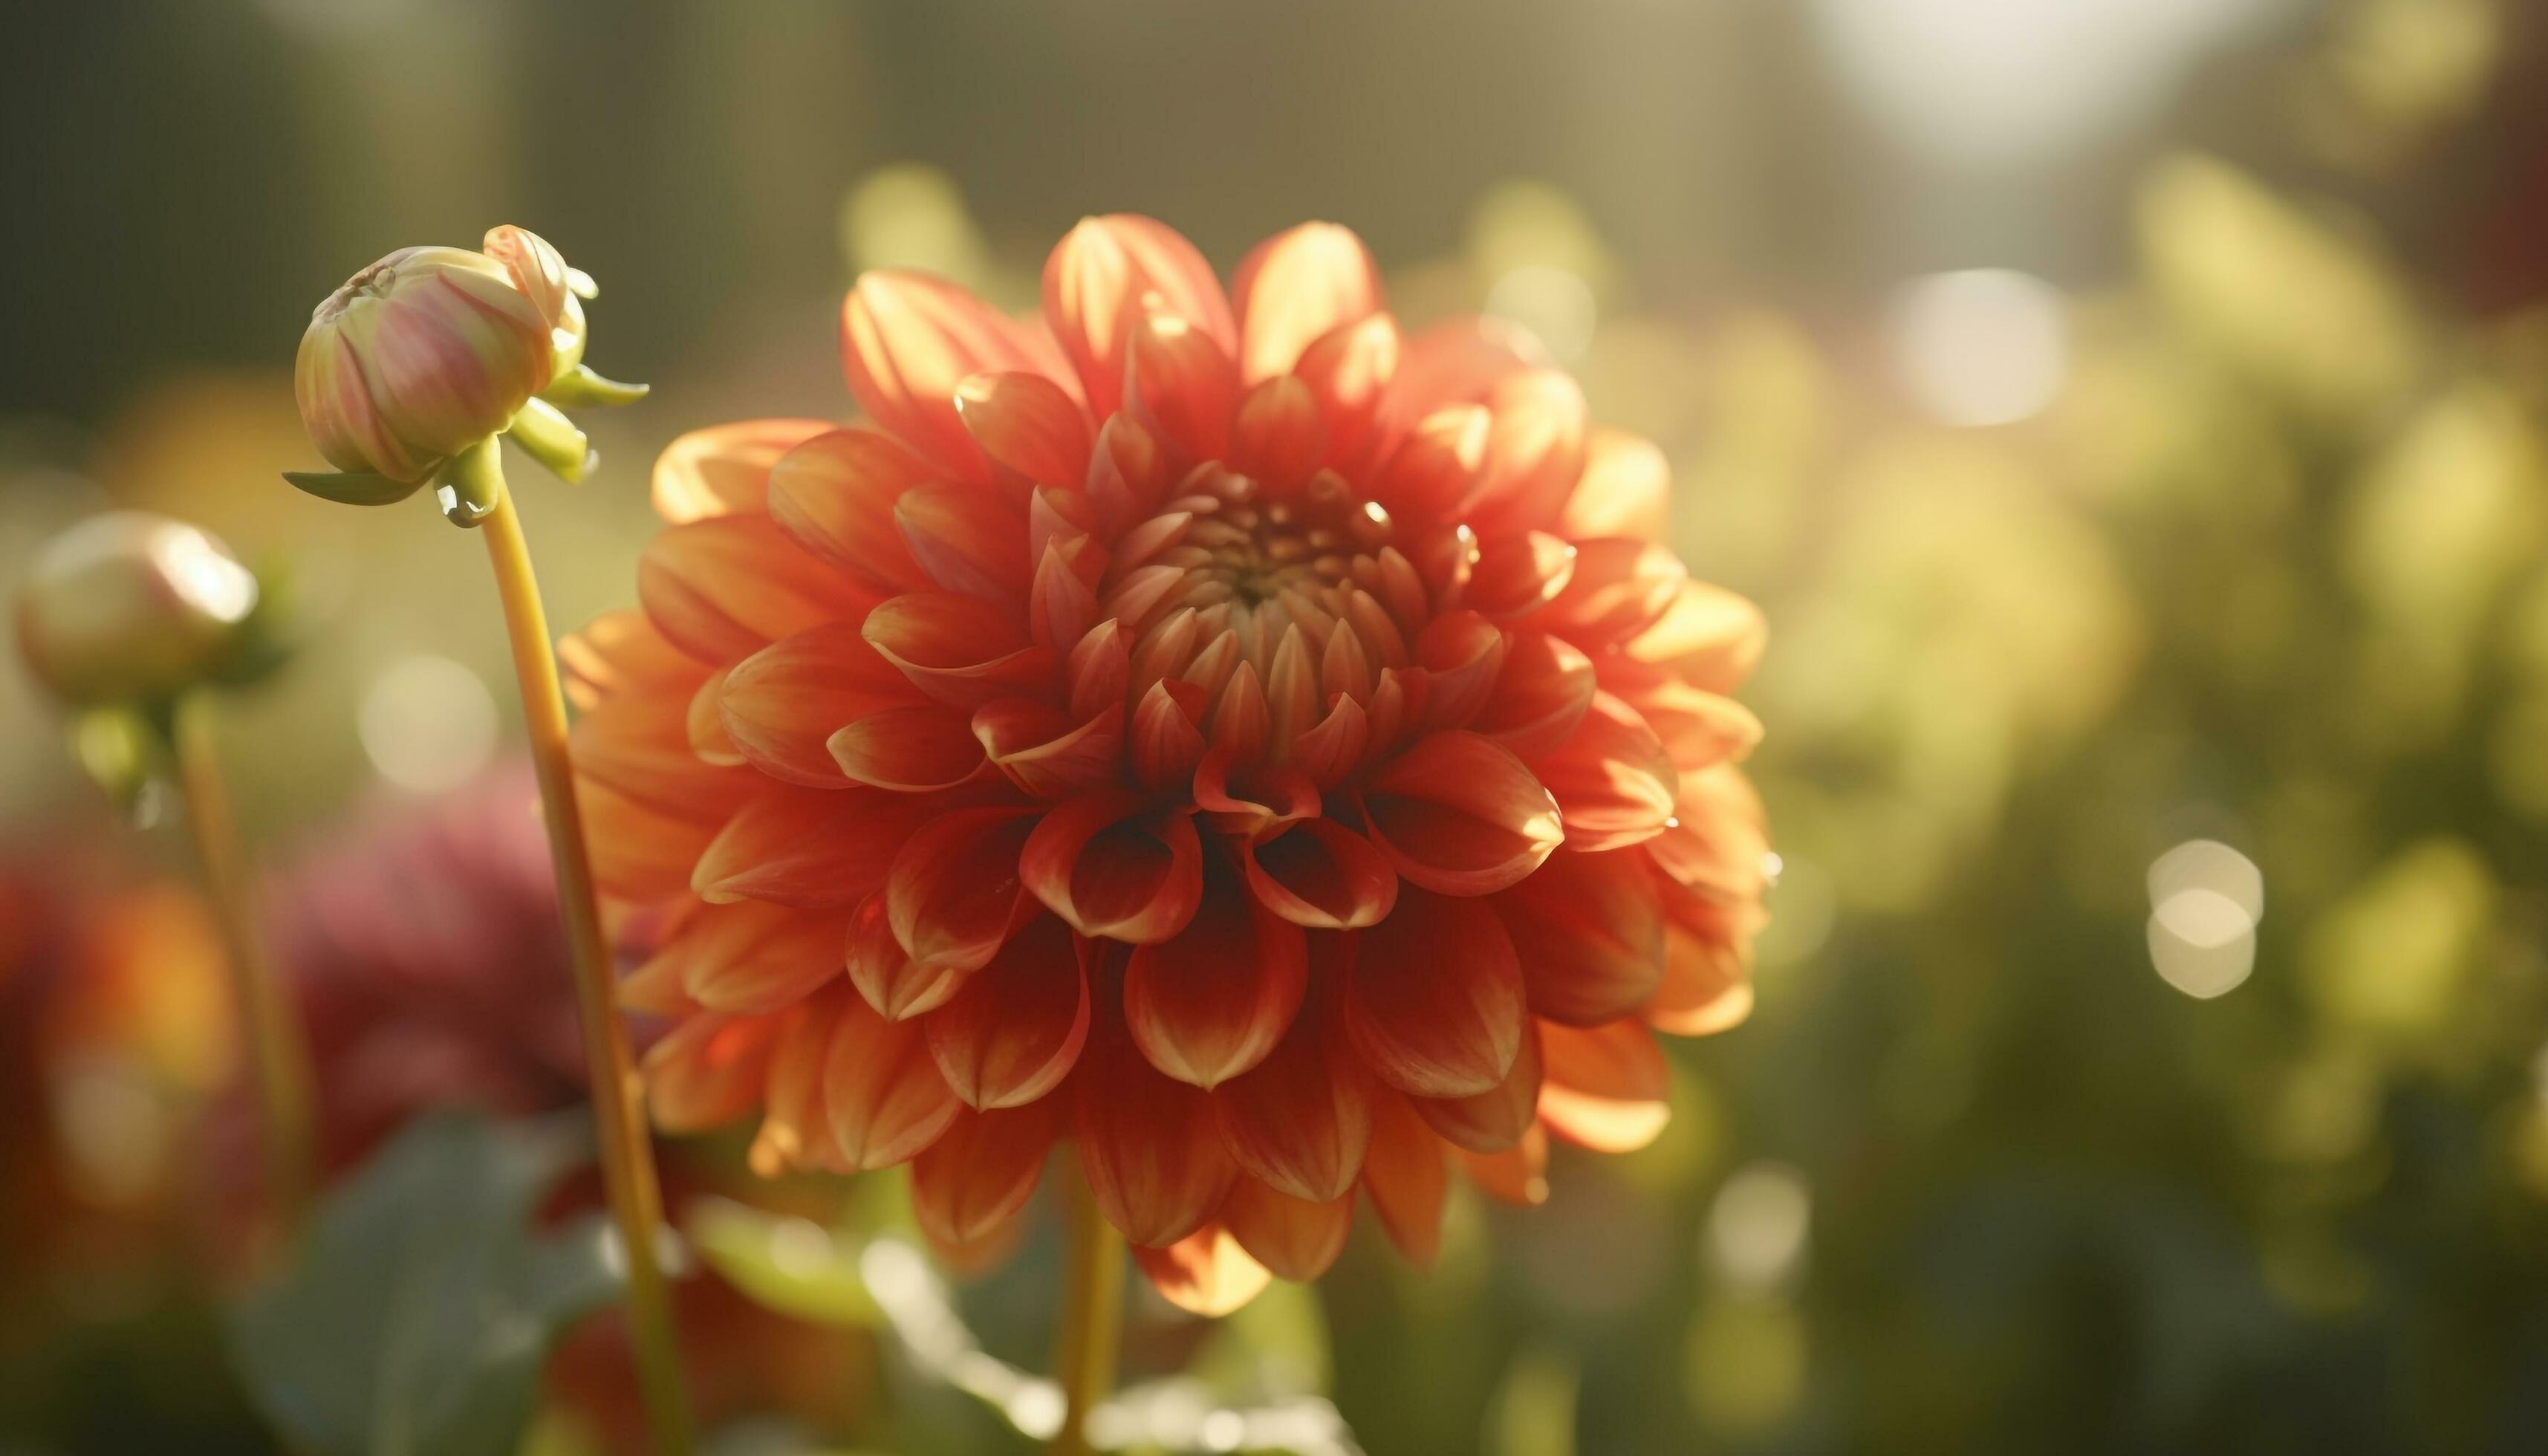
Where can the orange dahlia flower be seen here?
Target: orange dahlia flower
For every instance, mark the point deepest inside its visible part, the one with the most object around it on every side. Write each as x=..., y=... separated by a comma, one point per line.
x=1269, y=752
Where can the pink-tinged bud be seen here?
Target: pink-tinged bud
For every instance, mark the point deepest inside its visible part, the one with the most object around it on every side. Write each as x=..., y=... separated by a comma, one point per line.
x=432, y=349
x=130, y=607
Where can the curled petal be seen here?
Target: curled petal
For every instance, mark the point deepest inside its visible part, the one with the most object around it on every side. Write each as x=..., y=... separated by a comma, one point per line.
x=1027, y=425
x=979, y=1173
x=1614, y=783
x=1293, y=1239
x=1322, y=875
x=1518, y=1175
x=1296, y=287
x=782, y=705
x=1625, y=489
x=907, y=342
x=708, y=1071
x=1621, y=588
x=1150, y=1145
x=1206, y=1272
x=1247, y=801
x=725, y=587
x=886, y=1100
x=1539, y=697
x=960, y=650
x=909, y=749
x=1590, y=931
x=1494, y=1119
x=953, y=892
x=1211, y=1003
x=1100, y=668
x=897, y=986
x=834, y=496
x=1012, y=1032
x=1113, y=867
x=1460, y=815
x=1044, y=752
x=1518, y=573
x=1168, y=736
x=1405, y=1175
x=805, y=848
x=1464, y=655
x=1301, y=1120
x=724, y=470
x=1101, y=280
x=1328, y=753
x=1608, y=1087
x=1435, y=1002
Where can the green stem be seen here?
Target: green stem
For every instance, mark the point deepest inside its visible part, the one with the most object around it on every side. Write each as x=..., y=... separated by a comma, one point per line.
x=1092, y=1318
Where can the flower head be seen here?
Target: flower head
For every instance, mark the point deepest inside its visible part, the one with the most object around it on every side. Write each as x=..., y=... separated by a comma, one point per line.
x=1269, y=751
x=127, y=606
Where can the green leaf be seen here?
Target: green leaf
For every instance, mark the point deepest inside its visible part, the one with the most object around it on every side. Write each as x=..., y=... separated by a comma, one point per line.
x=423, y=1303
x=353, y=487
x=781, y=1262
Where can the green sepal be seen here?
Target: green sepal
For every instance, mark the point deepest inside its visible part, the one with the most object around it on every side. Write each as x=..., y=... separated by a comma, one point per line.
x=552, y=439
x=352, y=486
x=125, y=751
x=472, y=484
x=581, y=385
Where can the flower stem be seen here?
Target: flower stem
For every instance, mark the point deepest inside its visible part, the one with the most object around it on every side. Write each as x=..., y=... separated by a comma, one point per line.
x=1092, y=1318
x=278, y=1054
x=627, y=1156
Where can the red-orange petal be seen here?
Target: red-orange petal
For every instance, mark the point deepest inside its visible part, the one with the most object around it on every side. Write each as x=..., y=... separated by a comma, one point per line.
x=1621, y=588
x=1518, y=1175
x=1518, y=573
x=1101, y=279
x=979, y=1173
x=1494, y=1119
x=1590, y=931
x=1460, y=815
x=970, y=539
x=1296, y=287
x=1708, y=637
x=1608, y=1087
x=1435, y=1001
x=1539, y=697
x=1301, y=1120
x=1206, y=1272
x=1698, y=729
x=953, y=891
x=1016, y=1028
x=886, y=1099
x=753, y=958
x=1211, y=1003
x=1293, y=1239
x=1184, y=385
x=804, y=847
x=960, y=650
x=638, y=853
x=897, y=986
x=1114, y=866
x=725, y=587
x=1406, y=1175
x=724, y=470
x=835, y=494
x=1027, y=425
x=1322, y=875
x=1614, y=783
x=1625, y=489
x=909, y=749
x=640, y=745
x=1347, y=370
x=1043, y=751
x=908, y=341
x=1150, y=1144
x=708, y=1070
x=782, y=705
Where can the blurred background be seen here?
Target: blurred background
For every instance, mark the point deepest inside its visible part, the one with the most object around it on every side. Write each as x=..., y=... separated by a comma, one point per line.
x=2130, y=413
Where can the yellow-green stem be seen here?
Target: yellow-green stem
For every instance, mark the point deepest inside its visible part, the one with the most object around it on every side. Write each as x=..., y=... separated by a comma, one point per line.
x=618, y=1097
x=270, y=1034
x=1092, y=1318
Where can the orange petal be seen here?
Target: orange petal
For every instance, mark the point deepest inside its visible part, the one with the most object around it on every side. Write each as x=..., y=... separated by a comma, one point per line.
x=1614, y=783
x=724, y=470
x=1698, y=729
x=954, y=893
x=1719, y=845
x=1295, y=286
x=835, y=494
x=1534, y=453
x=1539, y=697
x=638, y=853
x=796, y=1123
x=1455, y=362
x=1098, y=283
x=1435, y=1000
x=1494, y=1119
x=886, y=1100
x=1405, y=1175
x=1112, y=867
x=960, y=650
x=908, y=341
x=915, y=750
x=1211, y=1003
x=640, y=745
x=1028, y=425
x=708, y=1070
x=1184, y=385
x=1460, y=815
x=971, y=540
x=1012, y=1032
x=753, y=958
x=805, y=848
x=1277, y=438
x=620, y=652
x=897, y=986
x=1205, y=1273
x=1301, y=1120
x=1518, y=573
x=1622, y=588
x=1607, y=1086
x=782, y=705
x=1294, y=1239
x=723, y=589
x=1347, y=370
x=1463, y=655
x=979, y=1173
x=1518, y=1175
x=1590, y=931
x=1707, y=636
x=1321, y=874
x=1625, y=489
x=1149, y=1146
x=1044, y=752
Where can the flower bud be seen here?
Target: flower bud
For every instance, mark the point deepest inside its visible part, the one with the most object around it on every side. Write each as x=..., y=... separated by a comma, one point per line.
x=127, y=606
x=432, y=349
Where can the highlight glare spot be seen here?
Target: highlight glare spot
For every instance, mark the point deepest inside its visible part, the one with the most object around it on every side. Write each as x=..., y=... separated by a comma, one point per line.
x=1757, y=1228
x=427, y=724
x=1981, y=347
x=1552, y=302
x=2204, y=901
